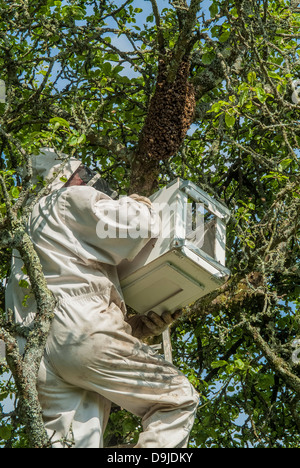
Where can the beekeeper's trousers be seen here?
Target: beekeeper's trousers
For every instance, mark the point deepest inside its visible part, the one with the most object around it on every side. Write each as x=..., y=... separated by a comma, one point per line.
x=77, y=382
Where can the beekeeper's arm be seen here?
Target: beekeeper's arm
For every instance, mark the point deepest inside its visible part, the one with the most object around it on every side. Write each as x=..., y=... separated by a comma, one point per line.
x=125, y=226
x=115, y=230
x=108, y=231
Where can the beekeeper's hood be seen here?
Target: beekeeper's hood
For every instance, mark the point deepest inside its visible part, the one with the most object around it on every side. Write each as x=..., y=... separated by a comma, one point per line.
x=48, y=163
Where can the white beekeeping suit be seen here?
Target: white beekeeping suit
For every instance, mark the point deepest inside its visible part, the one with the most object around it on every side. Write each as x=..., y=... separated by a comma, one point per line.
x=91, y=357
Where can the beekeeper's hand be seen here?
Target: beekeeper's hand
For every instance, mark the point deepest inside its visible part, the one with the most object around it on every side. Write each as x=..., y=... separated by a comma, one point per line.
x=141, y=199
x=152, y=324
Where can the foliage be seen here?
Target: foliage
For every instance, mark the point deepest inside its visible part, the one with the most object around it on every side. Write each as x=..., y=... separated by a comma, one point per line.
x=81, y=77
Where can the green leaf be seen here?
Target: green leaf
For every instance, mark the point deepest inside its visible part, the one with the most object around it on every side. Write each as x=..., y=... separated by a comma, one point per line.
x=81, y=139
x=261, y=94
x=4, y=394
x=225, y=36
x=60, y=121
x=5, y=432
x=107, y=68
x=207, y=58
x=15, y=192
x=76, y=140
x=77, y=12
x=239, y=364
x=284, y=164
x=229, y=120
x=217, y=364
x=25, y=299
x=234, y=12
x=73, y=140
x=275, y=75
x=24, y=284
x=251, y=77
x=215, y=107
x=214, y=10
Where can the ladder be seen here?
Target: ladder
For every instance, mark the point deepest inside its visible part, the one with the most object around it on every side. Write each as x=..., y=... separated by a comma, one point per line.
x=166, y=345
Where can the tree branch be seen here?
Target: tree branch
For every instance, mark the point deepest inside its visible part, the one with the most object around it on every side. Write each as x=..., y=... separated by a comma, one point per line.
x=182, y=47
x=160, y=36
x=25, y=368
x=279, y=365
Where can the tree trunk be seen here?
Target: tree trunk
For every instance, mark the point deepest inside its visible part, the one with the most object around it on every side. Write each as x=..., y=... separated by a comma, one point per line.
x=25, y=368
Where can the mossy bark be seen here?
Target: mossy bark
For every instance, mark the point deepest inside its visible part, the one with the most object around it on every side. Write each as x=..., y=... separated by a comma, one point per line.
x=25, y=367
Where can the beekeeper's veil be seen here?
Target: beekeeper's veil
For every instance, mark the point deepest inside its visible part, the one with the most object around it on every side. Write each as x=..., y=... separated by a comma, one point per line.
x=48, y=163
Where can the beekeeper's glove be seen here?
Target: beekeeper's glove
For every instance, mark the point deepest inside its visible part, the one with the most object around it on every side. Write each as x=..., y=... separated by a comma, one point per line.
x=141, y=199
x=152, y=324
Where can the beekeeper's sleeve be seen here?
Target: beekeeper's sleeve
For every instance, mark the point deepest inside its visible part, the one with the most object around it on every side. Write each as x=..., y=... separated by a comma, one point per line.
x=108, y=230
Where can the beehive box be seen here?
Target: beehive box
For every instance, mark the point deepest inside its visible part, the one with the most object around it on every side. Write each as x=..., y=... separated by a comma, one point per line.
x=187, y=260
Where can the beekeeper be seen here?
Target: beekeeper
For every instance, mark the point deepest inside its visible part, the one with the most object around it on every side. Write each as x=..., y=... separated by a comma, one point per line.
x=94, y=355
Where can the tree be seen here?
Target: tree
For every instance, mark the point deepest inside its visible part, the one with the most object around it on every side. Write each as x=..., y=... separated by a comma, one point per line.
x=146, y=92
